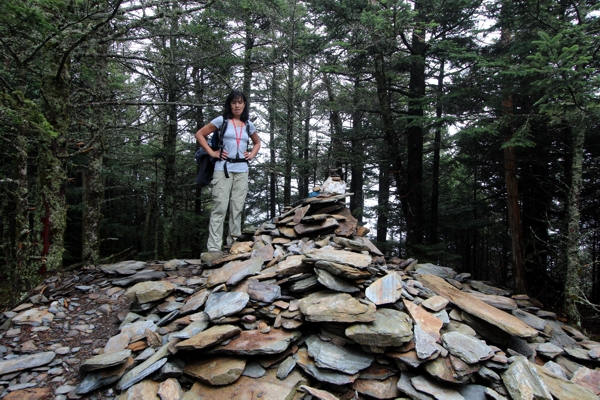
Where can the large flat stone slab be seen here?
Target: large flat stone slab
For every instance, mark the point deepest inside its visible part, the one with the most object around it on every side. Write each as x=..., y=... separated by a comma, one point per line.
x=223, y=304
x=336, y=307
x=390, y=328
x=216, y=371
x=330, y=356
x=209, y=337
x=427, y=321
x=146, y=292
x=103, y=377
x=105, y=360
x=356, y=260
x=269, y=386
x=33, y=317
x=255, y=342
x=563, y=389
x=26, y=362
x=467, y=348
x=523, y=381
x=385, y=290
x=234, y=271
x=501, y=302
x=478, y=308
x=322, y=374
x=141, y=371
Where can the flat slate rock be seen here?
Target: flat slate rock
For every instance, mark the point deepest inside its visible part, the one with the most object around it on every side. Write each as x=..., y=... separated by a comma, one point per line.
x=530, y=319
x=335, y=283
x=380, y=389
x=451, y=369
x=500, y=302
x=435, y=303
x=33, y=317
x=385, y=290
x=442, y=272
x=425, y=344
x=390, y=328
x=467, y=348
x=478, y=308
x=234, y=271
x=223, y=304
x=336, y=307
x=147, y=292
x=522, y=377
x=549, y=350
x=195, y=302
x=318, y=393
x=356, y=260
x=428, y=322
x=123, y=267
x=328, y=355
x=209, y=337
x=141, y=371
x=216, y=371
x=438, y=390
x=487, y=289
x=103, y=377
x=563, y=389
x=343, y=270
x=324, y=375
x=255, y=342
x=26, y=362
x=105, y=360
x=140, y=276
x=264, y=292
x=405, y=386
x=269, y=386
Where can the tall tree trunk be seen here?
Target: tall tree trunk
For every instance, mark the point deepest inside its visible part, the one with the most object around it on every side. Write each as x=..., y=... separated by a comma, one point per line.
x=22, y=246
x=357, y=166
x=437, y=145
x=248, y=47
x=383, y=204
x=337, y=150
x=169, y=146
x=93, y=181
x=390, y=154
x=303, y=181
x=514, y=216
x=510, y=173
x=52, y=175
x=272, y=159
x=577, y=122
x=414, y=217
x=290, y=120
x=198, y=79
x=93, y=195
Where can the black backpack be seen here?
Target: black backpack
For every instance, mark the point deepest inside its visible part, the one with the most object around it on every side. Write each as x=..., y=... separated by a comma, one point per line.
x=206, y=162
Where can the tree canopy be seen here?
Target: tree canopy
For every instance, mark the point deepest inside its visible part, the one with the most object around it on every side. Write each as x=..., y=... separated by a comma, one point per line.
x=467, y=130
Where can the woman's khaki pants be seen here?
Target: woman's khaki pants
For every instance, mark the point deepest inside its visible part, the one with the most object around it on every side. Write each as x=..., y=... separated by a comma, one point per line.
x=226, y=192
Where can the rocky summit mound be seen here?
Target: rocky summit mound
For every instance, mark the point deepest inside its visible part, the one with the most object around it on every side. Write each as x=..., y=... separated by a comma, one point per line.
x=306, y=308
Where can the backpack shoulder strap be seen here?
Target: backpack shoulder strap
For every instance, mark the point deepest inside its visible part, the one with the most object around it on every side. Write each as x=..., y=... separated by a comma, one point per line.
x=222, y=132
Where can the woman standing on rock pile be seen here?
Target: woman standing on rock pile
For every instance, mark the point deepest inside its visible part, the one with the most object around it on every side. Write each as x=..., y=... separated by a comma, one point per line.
x=230, y=180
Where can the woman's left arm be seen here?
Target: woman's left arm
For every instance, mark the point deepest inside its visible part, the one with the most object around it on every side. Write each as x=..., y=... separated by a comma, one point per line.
x=255, y=147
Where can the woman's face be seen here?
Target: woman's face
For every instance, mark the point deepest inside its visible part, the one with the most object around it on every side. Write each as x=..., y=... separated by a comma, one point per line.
x=237, y=106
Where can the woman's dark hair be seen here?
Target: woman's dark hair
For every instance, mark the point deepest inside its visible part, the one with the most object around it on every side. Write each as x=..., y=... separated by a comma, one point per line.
x=236, y=94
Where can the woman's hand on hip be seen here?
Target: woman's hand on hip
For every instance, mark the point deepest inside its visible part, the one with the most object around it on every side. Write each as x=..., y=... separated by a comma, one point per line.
x=223, y=154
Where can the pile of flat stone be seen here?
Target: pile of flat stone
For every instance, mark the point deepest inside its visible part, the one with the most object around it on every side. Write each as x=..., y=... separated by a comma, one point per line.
x=309, y=308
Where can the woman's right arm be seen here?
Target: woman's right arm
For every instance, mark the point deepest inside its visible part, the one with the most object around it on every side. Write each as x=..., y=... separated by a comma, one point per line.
x=201, y=138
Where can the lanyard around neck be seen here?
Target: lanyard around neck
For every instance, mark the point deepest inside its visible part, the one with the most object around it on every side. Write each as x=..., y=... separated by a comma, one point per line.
x=238, y=137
